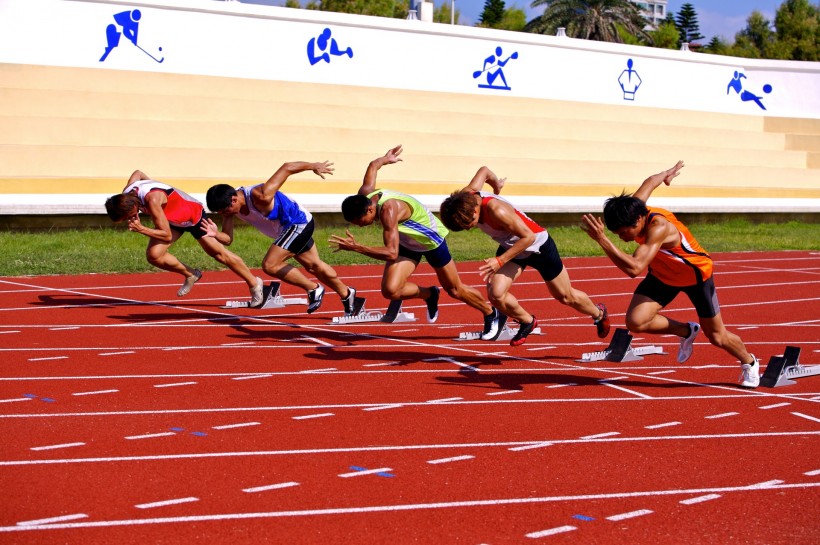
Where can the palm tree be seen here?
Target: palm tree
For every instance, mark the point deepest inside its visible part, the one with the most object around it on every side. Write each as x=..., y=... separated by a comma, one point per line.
x=588, y=19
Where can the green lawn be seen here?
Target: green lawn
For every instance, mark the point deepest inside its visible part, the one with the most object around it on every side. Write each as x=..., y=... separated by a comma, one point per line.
x=115, y=250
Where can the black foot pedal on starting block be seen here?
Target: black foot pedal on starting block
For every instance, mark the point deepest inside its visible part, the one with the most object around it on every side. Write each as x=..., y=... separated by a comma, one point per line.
x=271, y=298
x=394, y=314
x=782, y=370
x=620, y=349
x=360, y=315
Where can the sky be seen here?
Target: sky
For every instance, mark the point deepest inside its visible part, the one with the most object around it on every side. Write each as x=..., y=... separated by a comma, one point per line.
x=722, y=18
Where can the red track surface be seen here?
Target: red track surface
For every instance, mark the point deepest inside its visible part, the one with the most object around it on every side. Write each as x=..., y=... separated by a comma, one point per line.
x=130, y=416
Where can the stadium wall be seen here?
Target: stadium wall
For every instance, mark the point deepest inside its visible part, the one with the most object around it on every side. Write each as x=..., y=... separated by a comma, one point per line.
x=201, y=92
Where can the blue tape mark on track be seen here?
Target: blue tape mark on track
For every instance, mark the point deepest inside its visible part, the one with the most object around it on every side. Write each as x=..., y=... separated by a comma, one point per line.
x=30, y=395
x=582, y=517
x=199, y=433
x=382, y=474
x=177, y=429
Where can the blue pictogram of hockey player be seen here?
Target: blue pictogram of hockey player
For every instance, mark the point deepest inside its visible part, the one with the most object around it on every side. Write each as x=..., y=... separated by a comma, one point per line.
x=127, y=24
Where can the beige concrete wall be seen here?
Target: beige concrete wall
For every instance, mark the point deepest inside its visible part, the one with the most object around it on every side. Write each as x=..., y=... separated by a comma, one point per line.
x=71, y=130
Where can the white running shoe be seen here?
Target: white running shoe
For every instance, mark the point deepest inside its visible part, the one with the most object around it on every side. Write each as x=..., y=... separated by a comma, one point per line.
x=185, y=289
x=685, y=350
x=257, y=297
x=750, y=374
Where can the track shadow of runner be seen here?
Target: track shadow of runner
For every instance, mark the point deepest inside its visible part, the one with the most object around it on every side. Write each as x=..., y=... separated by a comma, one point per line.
x=404, y=358
x=173, y=316
x=74, y=300
x=516, y=381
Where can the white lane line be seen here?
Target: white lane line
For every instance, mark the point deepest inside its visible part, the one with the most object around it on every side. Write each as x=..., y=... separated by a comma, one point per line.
x=269, y=487
x=812, y=473
x=165, y=503
x=63, y=445
x=721, y=415
x=381, y=364
x=445, y=399
x=249, y=377
x=627, y=390
x=775, y=406
x=150, y=435
x=383, y=407
x=661, y=372
x=317, y=341
x=243, y=343
x=700, y=499
x=231, y=426
x=807, y=417
x=551, y=532
x=15, y=399
x=47, y=359
x=630, y=515
x=171, y=385
x=95, y=392
x=613, y=378
x=505, y=392
x=562, y=385
x=9, y=331
x=528, y=447
x=365, y=472
x=664, y=425
x=305, y=417
x=541, y=348
x=325, y=370
x=63, y=328
x=453, y=459
x=64, y=518
x=117, y=353
x=600, y=435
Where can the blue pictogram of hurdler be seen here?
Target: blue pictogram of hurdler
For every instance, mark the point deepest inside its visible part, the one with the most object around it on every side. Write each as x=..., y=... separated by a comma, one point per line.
x=127, y=24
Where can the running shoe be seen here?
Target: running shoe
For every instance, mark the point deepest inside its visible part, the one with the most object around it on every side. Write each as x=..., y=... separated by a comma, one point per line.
x=602, y=323
x=315, y=298
x=493, y=325
x=524, y=330
x=347, y=302
x=189, y=283
x=686, y=344
x=432, y=305
x=750, y=374
x=257, y=295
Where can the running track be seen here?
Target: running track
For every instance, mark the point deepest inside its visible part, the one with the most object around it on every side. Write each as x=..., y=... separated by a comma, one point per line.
x=130, y=416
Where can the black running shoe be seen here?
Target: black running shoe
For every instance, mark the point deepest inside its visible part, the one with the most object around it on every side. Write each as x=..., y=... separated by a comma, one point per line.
x=493, y=325
x=315, y=298
x=525, y=329
x=432, y=305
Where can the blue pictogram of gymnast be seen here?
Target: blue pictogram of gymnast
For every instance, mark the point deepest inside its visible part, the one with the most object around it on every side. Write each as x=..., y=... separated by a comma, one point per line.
x=493, y=67
x=320, y=48
x=630, y=81
x=736, y=85
x=127, y=24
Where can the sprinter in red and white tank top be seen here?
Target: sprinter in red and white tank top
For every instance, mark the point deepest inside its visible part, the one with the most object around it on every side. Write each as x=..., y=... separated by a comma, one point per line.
x=522, y=243
x=676, y=263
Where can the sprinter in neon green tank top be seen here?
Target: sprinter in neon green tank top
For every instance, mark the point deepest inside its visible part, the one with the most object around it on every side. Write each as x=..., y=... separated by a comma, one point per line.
x=410, y=232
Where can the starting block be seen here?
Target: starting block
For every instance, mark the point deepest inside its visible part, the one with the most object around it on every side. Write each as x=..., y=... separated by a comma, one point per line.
x=506, y=334
x=360, y=315
x=271, y=298
x=620, y=349
x=781, y=370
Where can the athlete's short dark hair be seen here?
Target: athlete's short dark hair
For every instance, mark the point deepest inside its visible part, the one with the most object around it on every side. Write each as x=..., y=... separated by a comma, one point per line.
x=457, y=210
x=219, y=197
x=623, y=211
x=119, y=206
x=354, y=207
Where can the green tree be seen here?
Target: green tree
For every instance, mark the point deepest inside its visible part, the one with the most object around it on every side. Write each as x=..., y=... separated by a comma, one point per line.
x=755, y=39
x=380, y=8
x=687, y=22
x=442, y=13
x=292, y=4
x=514, y=19
x=588, y=19
x=493, y=13
x=716, y=46
x=666, y=36
x=797, y=24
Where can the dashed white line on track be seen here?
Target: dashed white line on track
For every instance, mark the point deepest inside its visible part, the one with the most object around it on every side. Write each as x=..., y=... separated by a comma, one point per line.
x=775, y=405
x=721, y=415
x=165, y=503
x=116, y=353
x=664, y=425
x=52, y=447
x=383, y=407
x=453, y=459
x=505, y=392
x=269, y=487
x=532, y=446
x=15, y=399
x=170, y=385
x=9, y=331
x=630, y=515
x=551, y=532
x=661, y=372
x=445, y=399
x=807, y=417
x=601, y=435
x=307, y=416
x=812, y=473
x=95, y=392
x=47, y=359
x=365, y=472
x=150, y=435
x=231, y=426
x=64, y=518
x=700, y=499
x=249, y=377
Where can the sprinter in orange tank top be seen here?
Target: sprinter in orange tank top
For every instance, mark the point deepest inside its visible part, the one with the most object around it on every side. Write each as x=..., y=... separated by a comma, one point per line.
x=676, y=263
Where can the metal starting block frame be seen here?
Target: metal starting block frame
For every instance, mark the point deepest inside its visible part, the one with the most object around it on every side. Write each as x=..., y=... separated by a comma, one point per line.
x=360, y=315
x=506, y=334
x=271, y=298
x=781, y=370
x=620, y=349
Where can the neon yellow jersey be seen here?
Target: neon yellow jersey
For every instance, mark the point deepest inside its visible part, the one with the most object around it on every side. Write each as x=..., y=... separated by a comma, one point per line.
x=422, y=231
